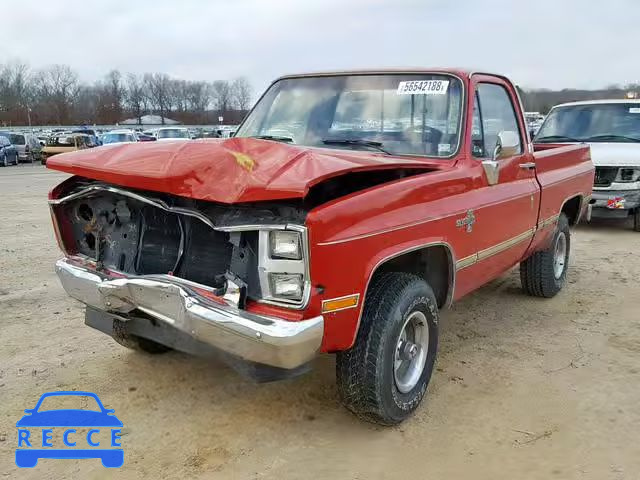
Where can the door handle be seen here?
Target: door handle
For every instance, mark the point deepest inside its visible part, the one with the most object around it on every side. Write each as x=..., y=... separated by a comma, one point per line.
x=528, y=165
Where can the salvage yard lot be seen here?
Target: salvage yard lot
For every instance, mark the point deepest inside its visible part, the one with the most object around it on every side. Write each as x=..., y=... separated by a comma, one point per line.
x=524, y=387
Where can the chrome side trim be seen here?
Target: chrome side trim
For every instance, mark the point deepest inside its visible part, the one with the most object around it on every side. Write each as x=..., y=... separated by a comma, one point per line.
x=507, y=244
x=466, y=261
x=452, y=270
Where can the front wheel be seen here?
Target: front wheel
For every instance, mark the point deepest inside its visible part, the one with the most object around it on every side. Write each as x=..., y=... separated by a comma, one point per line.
x=384, y=376
x=544, y=273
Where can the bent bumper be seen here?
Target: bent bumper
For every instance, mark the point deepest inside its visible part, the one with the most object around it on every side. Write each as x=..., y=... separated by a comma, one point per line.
x=625, y=199
x=254, y=338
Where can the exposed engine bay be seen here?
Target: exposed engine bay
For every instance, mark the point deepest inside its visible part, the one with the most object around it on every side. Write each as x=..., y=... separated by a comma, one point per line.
x=145, y=233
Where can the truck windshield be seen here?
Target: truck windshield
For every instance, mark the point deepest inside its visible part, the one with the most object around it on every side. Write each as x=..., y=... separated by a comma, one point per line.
x=173, y=133
x=117, y=138
x=390, y=114
x=596, y=122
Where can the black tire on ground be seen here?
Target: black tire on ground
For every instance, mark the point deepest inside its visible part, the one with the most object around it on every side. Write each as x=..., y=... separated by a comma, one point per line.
x=636, y=220
x=134, y=342
x=544, y=273
x=366, y=374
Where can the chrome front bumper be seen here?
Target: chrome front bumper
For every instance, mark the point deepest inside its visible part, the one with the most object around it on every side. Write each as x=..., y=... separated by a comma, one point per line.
x=254, y=338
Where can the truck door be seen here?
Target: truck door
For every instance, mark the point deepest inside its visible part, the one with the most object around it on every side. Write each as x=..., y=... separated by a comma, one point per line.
x=508, y=201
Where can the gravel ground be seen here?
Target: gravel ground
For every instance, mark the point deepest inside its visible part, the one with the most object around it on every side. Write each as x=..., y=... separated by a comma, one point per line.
x=524, y=389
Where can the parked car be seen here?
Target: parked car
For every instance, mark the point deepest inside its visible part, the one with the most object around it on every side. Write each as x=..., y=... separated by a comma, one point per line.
x=8, y=152
x=612, y=129
x=27, y=146
x=94, y=139
x=338, y=240
x=66, y=142
x=143, y=137
x=172, y=133
x=119, y=136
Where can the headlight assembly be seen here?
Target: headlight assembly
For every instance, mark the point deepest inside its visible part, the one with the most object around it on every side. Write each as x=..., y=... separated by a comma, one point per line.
x=284, y=285
x=628, y=175
x=285, y=244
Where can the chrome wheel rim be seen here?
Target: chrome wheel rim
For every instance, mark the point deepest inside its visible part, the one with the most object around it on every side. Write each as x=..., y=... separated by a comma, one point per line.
x=411, y=352
x=560, y=255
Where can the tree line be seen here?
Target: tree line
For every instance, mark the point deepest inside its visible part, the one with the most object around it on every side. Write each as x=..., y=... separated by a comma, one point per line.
x=542, y=100
x=54, y=95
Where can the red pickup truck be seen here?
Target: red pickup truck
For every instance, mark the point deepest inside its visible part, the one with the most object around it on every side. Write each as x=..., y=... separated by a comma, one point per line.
x=347, y=211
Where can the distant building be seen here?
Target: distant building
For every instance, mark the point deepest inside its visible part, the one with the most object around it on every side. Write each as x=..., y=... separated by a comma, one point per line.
x=149, y=120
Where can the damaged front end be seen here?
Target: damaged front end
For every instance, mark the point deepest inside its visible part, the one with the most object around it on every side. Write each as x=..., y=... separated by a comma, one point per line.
x=189, y=265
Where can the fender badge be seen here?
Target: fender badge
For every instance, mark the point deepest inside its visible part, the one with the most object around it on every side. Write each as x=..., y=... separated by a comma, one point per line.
x=467, y=221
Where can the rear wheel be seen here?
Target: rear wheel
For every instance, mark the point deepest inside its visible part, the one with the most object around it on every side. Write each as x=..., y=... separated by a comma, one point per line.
x=384, y=376
x=544, y=273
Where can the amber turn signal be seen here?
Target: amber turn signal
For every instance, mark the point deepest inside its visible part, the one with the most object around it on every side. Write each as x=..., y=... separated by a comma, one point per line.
x=340, y=303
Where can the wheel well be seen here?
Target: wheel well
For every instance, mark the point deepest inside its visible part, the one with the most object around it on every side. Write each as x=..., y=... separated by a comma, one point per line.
x=433, y=263
x=571, y=209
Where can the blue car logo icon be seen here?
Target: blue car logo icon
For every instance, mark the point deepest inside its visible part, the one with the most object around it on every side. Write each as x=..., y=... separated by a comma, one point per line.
x=35, y=433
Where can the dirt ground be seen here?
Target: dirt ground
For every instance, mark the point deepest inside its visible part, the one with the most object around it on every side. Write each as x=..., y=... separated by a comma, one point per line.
x=524, y=389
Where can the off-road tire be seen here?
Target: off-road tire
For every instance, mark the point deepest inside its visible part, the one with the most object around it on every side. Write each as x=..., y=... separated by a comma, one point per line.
x=135, y=342
x=365, y=372
x=636, y=220
x=537, y=272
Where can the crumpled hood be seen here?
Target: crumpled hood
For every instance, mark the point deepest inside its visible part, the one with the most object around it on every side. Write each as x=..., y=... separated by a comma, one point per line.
x=615, y=154
x=226, y=171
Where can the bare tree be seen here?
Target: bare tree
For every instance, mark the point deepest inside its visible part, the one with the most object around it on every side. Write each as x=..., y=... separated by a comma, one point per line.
x=241, y=93
x=198, y=99
x=158, y=86
x=15, y=91
x=53, y=95
x=135, y=98
x=221, y=94
x=59, y=85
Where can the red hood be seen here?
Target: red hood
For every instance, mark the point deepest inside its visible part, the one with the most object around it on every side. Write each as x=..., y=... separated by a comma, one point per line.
x=226, y=171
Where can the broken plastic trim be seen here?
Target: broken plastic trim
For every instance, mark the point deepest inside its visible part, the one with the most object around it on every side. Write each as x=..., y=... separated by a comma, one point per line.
x=155, y=202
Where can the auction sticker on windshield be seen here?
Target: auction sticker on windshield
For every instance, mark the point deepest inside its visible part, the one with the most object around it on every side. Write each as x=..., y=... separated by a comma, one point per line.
x=423, y=87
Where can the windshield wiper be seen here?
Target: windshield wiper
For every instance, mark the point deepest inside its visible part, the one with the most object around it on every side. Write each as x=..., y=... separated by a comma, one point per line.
x=357, y=142
x=275, y=138
x=557, y=138
x=611, y=137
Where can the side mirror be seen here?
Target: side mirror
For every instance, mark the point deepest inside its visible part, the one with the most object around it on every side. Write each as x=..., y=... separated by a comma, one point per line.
x=507, y=145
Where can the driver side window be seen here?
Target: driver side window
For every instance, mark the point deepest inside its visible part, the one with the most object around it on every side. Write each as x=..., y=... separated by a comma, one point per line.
x=493, y=113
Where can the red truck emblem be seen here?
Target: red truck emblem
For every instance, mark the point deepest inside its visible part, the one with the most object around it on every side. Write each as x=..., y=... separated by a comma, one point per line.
x=467, y=221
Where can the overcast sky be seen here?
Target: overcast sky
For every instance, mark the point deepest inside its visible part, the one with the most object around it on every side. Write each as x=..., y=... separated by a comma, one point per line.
x=539, y=43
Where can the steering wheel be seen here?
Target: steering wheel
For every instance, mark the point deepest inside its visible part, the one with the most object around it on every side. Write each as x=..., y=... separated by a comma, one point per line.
x=429, y=134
